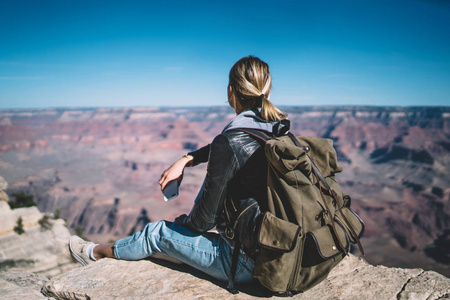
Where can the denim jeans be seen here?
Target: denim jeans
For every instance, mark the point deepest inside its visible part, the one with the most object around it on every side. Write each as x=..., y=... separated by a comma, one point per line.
x=207, y=252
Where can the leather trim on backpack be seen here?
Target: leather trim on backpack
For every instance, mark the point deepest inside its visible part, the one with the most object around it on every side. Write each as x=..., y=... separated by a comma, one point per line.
x=322, y=244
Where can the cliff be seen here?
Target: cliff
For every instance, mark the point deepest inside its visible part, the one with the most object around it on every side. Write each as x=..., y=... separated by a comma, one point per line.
x=17, y=285
x=353, y=278
x=38, y=249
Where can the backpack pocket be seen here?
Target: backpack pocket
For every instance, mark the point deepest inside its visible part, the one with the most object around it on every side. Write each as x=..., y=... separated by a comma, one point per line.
x=280, y=243
x=323, y=243
x=357, y=225
x=278, y=234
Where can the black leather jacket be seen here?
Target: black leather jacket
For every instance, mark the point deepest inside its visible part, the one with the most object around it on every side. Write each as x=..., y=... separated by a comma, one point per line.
x=236, y=176
x=237, y=170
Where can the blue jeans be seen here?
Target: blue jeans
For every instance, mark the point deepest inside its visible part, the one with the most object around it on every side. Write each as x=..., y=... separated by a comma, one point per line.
x=207, y=252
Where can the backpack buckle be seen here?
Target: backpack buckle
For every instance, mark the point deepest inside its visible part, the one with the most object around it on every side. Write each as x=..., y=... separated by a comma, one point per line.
x=229, y=233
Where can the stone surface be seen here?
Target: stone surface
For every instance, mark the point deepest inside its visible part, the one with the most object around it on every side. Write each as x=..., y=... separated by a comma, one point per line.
x=426, y=286
x=37, y=250
x=21, y=285
x=30, y=217
x=352, y=279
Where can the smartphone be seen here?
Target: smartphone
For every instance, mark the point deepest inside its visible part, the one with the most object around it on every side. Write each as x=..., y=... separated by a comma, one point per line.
x=171, y=190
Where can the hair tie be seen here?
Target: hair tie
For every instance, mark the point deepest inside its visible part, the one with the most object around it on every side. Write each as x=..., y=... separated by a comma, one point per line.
x=259, y=100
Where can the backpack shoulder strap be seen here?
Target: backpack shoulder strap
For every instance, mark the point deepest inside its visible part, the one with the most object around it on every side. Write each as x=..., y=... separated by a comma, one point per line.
x=234, y=262
x=261, y=136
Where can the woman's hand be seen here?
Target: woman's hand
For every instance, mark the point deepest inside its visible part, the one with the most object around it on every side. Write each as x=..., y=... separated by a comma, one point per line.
x=175, y=171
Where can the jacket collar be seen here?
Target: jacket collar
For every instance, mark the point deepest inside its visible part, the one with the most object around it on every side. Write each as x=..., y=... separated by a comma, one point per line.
x=252, y=119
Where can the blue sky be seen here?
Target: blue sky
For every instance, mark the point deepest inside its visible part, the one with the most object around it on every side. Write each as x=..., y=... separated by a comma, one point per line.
x=178, y=53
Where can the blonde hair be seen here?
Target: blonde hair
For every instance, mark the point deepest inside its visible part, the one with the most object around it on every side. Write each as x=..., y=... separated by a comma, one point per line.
x=251, y=83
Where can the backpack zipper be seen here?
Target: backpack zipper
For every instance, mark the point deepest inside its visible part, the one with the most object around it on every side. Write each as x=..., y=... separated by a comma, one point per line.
x=254, y=203
x=229, y=231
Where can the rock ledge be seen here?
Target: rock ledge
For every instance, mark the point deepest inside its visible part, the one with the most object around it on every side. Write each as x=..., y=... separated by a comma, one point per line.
x=353, y=278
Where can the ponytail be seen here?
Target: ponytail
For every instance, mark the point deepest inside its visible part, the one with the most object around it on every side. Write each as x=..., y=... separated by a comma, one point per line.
x=269, y=112
x=251, y=83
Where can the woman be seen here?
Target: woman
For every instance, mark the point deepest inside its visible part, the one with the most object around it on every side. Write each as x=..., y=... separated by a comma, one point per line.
x=236, y=172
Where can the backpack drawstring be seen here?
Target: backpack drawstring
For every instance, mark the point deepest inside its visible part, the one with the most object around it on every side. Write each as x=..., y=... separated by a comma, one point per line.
x=330, y=215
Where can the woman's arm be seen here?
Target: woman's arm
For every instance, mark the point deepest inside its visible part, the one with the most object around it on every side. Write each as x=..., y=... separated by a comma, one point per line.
x=209, y=204
x=201, y=155
x=175, y=171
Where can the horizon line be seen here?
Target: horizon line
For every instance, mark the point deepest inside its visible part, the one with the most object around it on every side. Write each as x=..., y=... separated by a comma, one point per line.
x=218, y=106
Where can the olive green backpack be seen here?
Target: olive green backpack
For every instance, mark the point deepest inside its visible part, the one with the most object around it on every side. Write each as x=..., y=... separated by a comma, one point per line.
x=309, y=225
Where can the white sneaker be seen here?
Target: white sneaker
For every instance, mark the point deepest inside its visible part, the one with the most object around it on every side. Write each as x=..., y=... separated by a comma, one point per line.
x=77, y=248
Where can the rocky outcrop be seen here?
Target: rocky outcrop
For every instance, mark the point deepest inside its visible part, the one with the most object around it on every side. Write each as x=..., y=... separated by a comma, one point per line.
x=353, y=278
x=21, y=285
x=42, y=248
x=9, y=217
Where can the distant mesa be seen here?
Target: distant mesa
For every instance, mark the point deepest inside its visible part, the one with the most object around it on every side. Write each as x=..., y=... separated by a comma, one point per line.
x=141, y=221
x=437, y=191
x=416, y=187
x=445, y=145
x=398, y=152
x=190, y=146
x=440, y=249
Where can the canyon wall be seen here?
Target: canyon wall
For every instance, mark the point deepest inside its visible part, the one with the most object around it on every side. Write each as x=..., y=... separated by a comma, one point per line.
x=99, y=169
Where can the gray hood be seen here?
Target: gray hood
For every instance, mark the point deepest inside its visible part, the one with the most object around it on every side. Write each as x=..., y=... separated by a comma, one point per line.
x=252, y=119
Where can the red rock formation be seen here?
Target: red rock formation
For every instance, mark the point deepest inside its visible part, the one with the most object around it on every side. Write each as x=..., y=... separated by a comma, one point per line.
x=81, y=161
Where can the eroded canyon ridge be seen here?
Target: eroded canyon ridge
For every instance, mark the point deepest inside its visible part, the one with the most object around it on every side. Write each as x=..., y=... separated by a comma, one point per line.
x=99, y=169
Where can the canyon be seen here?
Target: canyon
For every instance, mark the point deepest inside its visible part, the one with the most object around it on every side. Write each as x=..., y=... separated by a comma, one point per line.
x=35, y=264
x=99, y=169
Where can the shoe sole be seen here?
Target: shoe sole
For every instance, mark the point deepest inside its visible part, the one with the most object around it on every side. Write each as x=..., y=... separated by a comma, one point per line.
x=76, y=256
